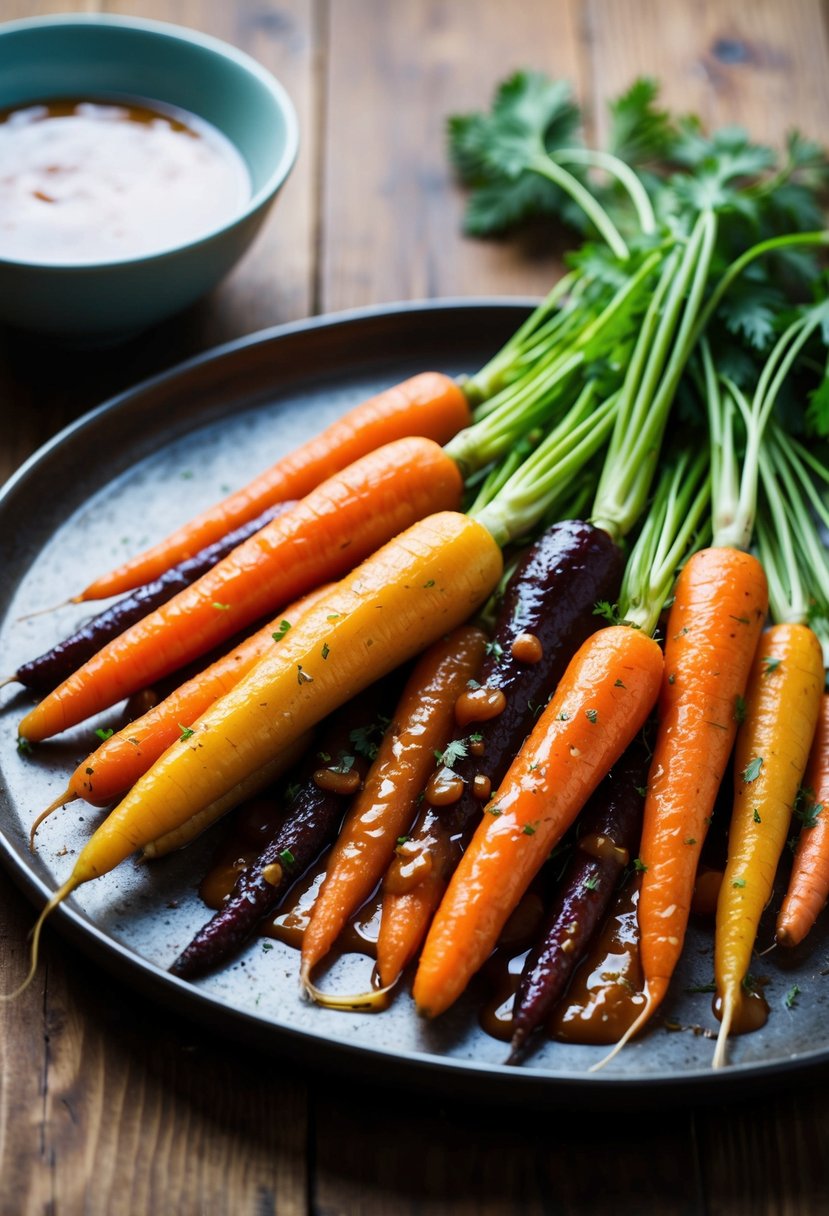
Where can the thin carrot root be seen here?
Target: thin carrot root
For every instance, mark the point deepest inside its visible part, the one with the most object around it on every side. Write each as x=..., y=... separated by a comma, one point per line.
x=654, y=995
x=728, y=1010
x=34, y=950
x=44, y=611
x=374, y=1001
x=62, y=800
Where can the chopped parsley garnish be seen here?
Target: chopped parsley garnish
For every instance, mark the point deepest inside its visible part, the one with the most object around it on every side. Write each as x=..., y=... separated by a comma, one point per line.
x=287, y=857
x=790, y=999
x=284, y=626
x=752, y=770
x=186, y=732
x=326, y=650
x=456, y=750
x=104, y=733
x=592, y=715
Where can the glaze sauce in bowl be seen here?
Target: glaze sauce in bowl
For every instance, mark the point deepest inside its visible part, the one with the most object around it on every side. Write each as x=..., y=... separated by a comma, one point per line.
x=94, y=181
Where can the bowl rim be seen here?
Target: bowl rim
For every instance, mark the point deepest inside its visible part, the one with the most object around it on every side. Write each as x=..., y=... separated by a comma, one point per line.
x=217, y=46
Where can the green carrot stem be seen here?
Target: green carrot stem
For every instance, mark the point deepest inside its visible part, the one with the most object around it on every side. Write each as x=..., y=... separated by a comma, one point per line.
x=674, y=527
x=627, y=178
x=664, y=348
x=545, y=166
x=547, y=476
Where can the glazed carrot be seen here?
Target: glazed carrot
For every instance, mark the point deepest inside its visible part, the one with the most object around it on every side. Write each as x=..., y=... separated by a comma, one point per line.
x=426, y=581
x=601, y=703
x=249, y=787
x=120, y=760
x=781, y=711
x=809, y=880
x=383, y=811
x=720, y=603
x=325, y=535
x=429, y=404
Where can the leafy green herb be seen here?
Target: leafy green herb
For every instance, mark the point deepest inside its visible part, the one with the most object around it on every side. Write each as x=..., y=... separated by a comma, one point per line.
x=495, y=649
x=739, y=883
x=752, y=770
x=24, y=748
x=326, y=650
x=790, y=999
x=104, y=733
x=770, y=665
x=454, y=751
x=220, y=607
x=528, y=829
x=287, y=857
x=186, y=732
x=591, y=883
x=302, y=677
x=284, y=626
x=592, y=715
x=739, y=709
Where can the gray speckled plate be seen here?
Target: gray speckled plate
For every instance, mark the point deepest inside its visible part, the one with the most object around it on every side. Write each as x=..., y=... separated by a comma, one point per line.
x=174, y=445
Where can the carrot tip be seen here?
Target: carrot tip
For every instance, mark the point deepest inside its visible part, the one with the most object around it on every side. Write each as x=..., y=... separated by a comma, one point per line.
x=62, y=800
x=52, y=608
x=728, y=1009
x=654, y=993
x=374, y=1001
x=58, y=898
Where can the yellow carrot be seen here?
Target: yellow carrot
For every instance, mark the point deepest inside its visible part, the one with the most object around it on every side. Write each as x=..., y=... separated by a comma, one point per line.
x=781, y=714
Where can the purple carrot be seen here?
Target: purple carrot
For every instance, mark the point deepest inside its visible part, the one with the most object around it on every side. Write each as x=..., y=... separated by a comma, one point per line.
x=546, y=613
x=311, y=822
x=52, y=668
x=609, y=828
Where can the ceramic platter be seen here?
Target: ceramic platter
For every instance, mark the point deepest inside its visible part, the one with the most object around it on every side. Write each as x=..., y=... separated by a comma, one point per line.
x=125, y=475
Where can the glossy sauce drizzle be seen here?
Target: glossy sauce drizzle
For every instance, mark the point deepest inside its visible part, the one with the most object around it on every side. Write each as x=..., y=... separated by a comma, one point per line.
x=89, y=181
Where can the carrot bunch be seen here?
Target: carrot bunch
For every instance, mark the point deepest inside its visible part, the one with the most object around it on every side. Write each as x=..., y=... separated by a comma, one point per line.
x=393, y=555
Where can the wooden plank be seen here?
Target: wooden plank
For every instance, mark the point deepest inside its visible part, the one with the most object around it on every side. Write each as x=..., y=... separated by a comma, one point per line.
x=440, y=1157
x=761, y=64
x=391, y=209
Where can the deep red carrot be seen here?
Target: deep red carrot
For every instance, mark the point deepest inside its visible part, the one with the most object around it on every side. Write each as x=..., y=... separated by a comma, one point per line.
x=429, y=404
x=546, y=612
x=313, y=814
x=48, y=670
x=601, y=703
x=325, y=535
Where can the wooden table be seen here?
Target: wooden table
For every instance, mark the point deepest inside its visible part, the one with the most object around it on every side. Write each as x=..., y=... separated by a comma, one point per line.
x=109, y=1105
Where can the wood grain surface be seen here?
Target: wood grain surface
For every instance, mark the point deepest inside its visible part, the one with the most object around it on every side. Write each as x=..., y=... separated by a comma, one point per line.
x=109, y=1105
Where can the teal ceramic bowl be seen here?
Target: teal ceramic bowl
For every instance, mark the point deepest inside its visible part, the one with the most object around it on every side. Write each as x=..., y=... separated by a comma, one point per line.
x=94, y=56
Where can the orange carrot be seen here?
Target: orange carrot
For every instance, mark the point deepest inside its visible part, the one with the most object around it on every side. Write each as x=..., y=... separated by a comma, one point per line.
x=601, y=702
x=120, y=760
x=326, y=534
x=781, y=713
x=808, y=887
x=720, y=603
x=429, y=404
x=384, y=809
x=426, y=581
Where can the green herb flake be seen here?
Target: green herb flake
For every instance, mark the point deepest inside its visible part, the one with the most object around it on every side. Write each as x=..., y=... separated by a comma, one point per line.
x=642, y=791
x=752, y=770
x=494, y=810
x=455, y=751
x=24, y=748
x=403, y=840
x=690, y=840
x=639, y=865
x=104, y=733
x=284, y=626
x=220, y=607
x=739, y=709
x=333, y=616
x=739, y=883
x=620, y=684
x=186, y=732
x=563, y=716
x=771, y=665
x=790, y=999
x=591, y=884
x=428, y=584
x=286, y=857
x=592, y=715
x=302, y=677
x=757, y=818
x=495, y=649
x=326, y=650
x=528, y=829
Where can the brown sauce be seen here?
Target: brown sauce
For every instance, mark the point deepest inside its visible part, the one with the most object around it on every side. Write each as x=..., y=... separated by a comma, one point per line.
x=527, y=648
x=751, y=1014
x=92, y=181
x=605, y=995
x=479, y=705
